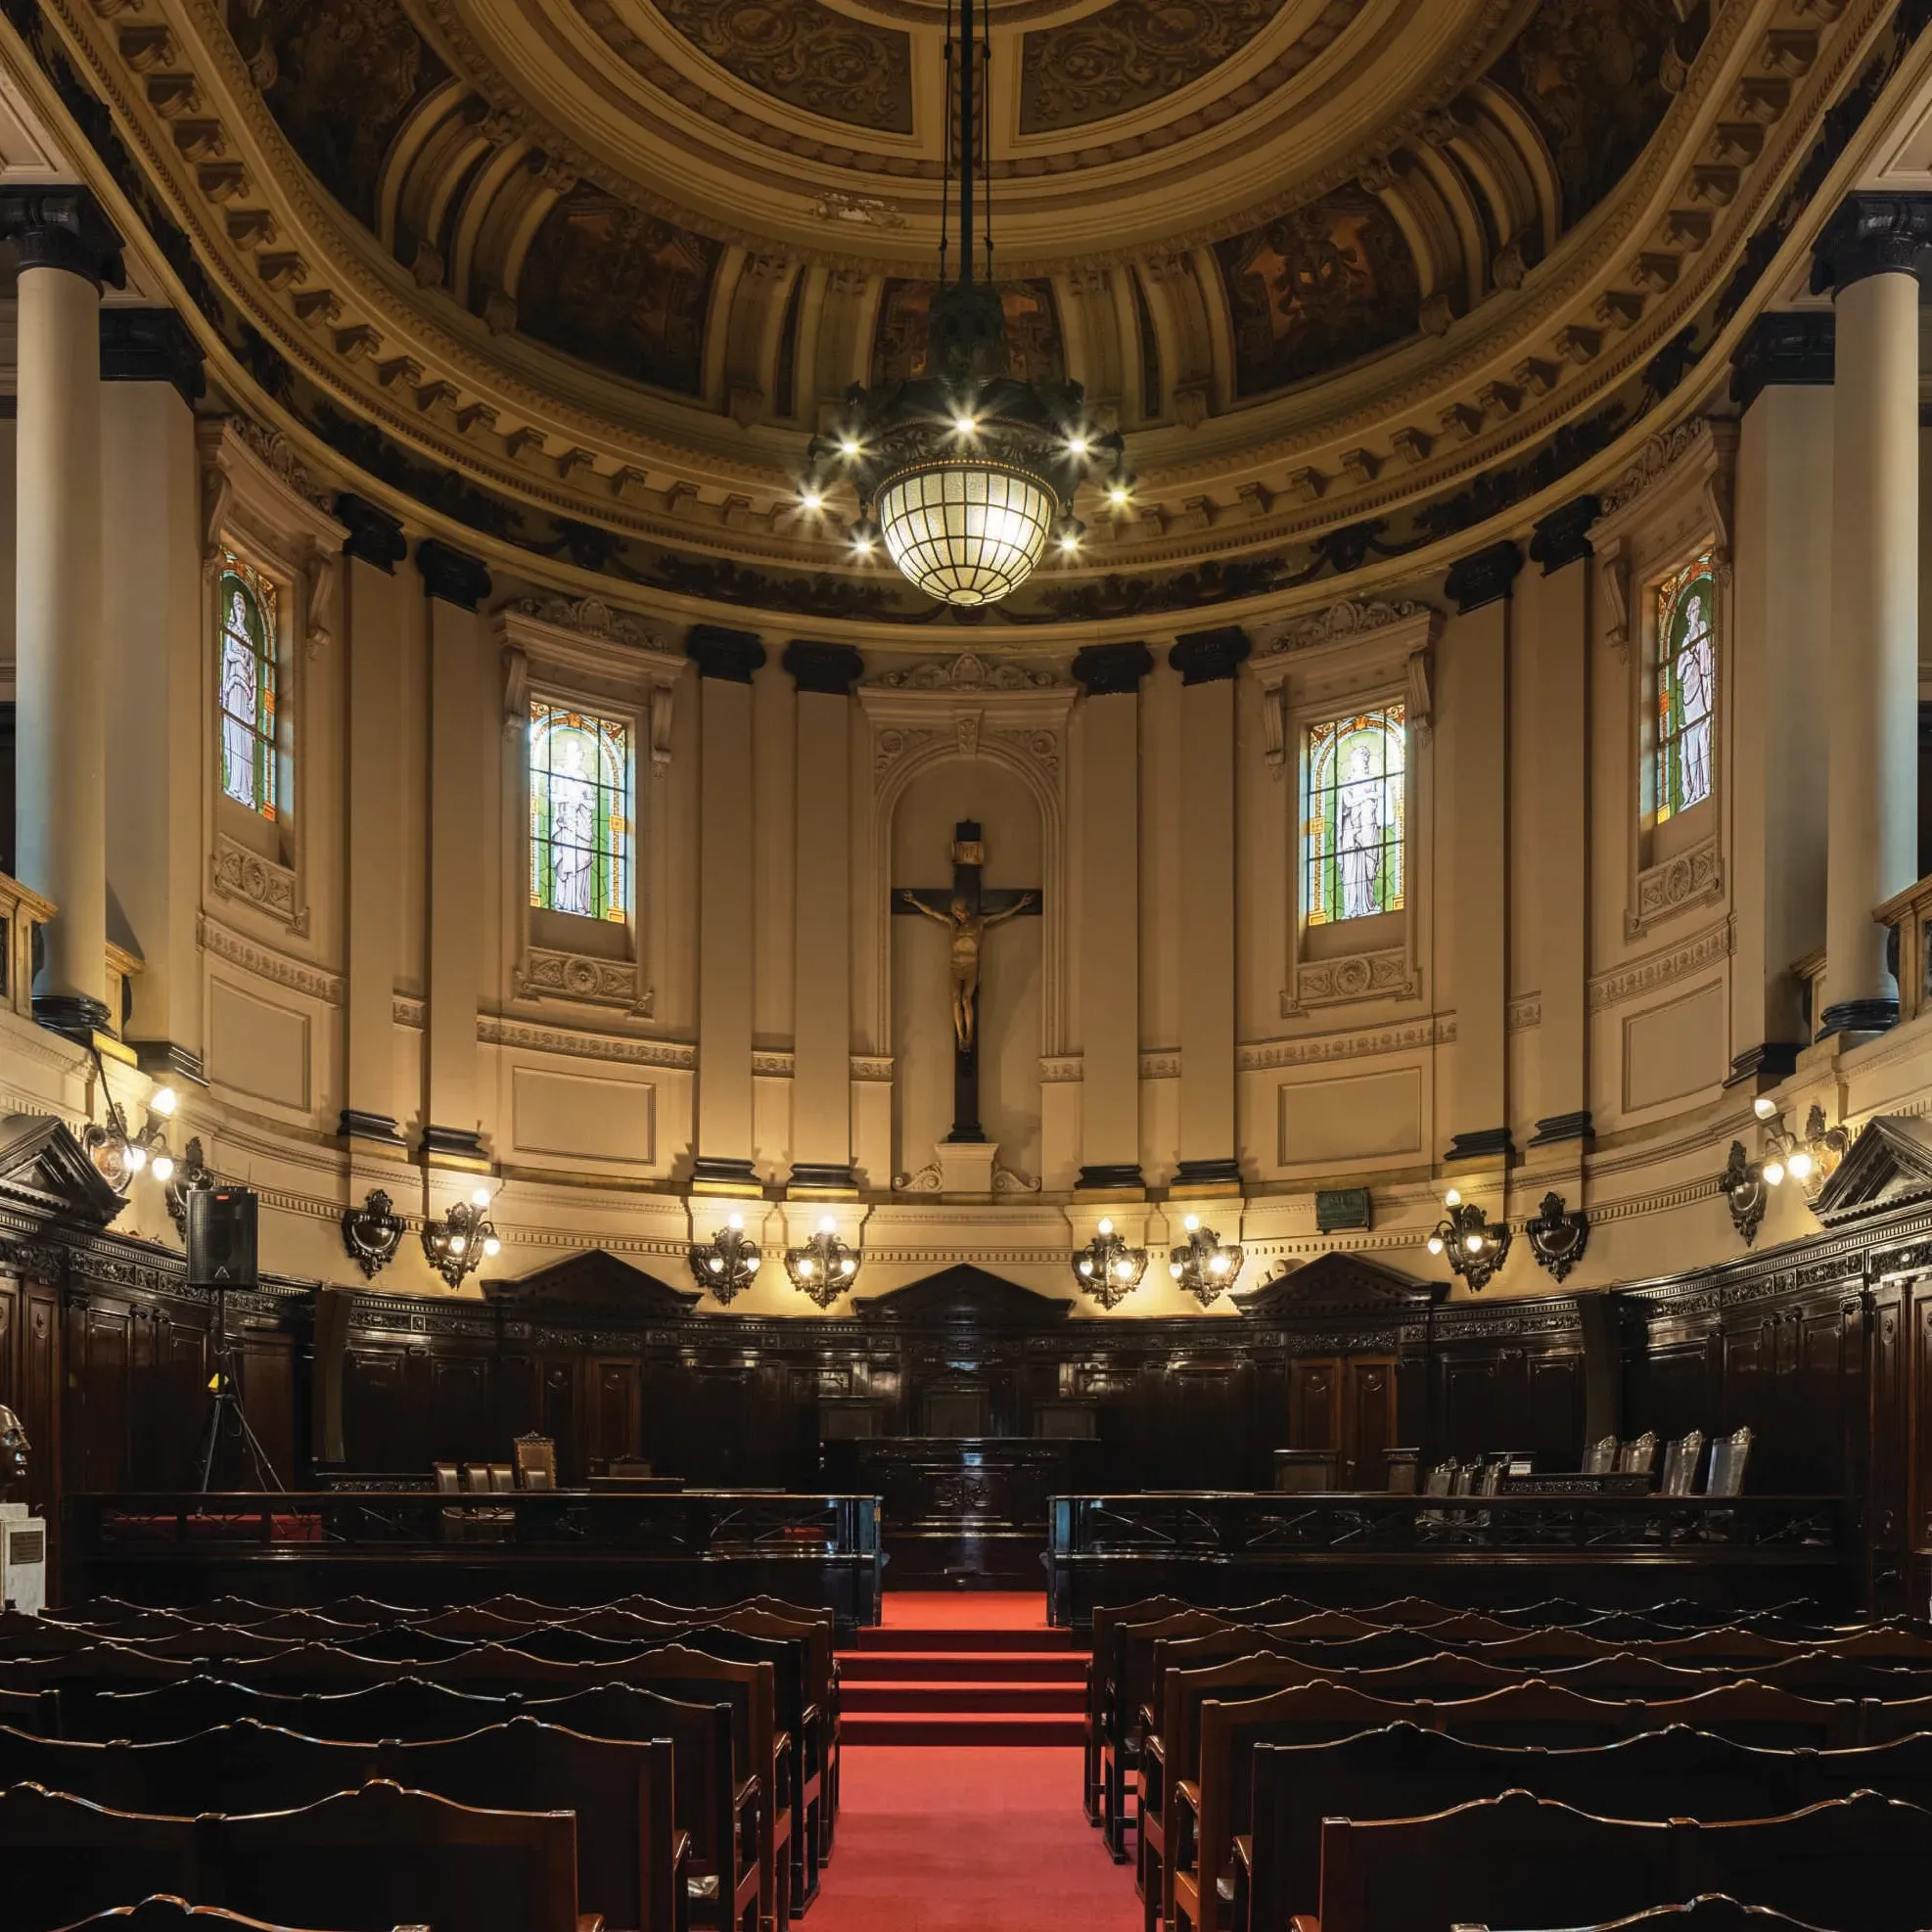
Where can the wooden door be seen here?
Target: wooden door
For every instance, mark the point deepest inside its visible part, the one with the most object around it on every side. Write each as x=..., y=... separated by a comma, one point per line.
x=1368, y=1421
x=1315, y=1403
x=617, y=1410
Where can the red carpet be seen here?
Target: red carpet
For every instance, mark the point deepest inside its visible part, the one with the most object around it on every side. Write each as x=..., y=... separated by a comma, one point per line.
x=969, y=1841
x=965, y=1667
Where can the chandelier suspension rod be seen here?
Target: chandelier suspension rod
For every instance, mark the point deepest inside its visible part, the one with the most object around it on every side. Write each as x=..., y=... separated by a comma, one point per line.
x=945, y=148
x=967, y=130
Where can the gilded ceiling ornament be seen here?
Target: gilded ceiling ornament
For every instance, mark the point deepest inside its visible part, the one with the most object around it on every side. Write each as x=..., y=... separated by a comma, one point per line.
x=805, y=54
x=1321, y=287
x=1139, y=51
x=967, y=673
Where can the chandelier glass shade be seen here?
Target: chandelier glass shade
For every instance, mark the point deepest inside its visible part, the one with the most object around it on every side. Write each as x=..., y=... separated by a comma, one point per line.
x=966, y=532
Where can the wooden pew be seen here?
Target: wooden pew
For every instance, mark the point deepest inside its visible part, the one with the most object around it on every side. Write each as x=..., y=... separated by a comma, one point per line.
x=630, y=1856
x=1101, y=1662
x=1862, y=1864
x=1130, y=1663
x=398, y=1706
x=1407, y=1771
x=65, y=1857
x=164, y=1915
x=1713, y=1913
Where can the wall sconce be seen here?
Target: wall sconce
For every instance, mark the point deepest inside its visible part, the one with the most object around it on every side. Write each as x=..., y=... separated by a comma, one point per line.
x=1557, y=1239
x=1107, y=1268
x=119, y=1153
x=1476, y=1247
x=190, y=1177
x=1205, y=1265
x=824, y=1268
x=464, y=1239
x=1809, y=1162
x=1747, y=1186
x=728, y=1263
x=372, y=1233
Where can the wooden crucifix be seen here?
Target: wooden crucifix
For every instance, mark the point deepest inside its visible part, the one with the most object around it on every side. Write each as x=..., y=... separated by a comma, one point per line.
x=967, y=911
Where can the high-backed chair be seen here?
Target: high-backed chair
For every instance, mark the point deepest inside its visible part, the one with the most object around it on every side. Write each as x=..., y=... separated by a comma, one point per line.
x=1729, y=1455
x=536, y=1461
x=1601, y=1456
x=1681, y=1460
x=1639, y=1455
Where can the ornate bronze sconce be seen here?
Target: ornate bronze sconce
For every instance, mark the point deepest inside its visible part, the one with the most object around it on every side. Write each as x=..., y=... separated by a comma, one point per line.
x=1475, y=1246
x=464, y=1239
x=1747, y=1190
x=372, y=1233
x=1107, y=1269
x=824, y=1268
x=1205, y=1265
x=1557, y=1239
x=728, y=1263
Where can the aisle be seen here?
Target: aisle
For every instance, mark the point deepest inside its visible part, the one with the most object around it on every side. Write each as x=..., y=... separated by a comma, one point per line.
x=969, y=1837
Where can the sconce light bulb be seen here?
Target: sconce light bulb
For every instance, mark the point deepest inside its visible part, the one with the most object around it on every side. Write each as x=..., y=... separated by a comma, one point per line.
x=1085, y=1267
x=1069, y=542
x=861, y=544
x=163, y=1168
x=715, y=1263
x=1191, y=1222
x=1106, y=1226
x=828, y=1225
x=1454, y=1198
x=1473, y=1242
x=1118, y=495
x=137, y=1159
x=1124, y=1270
x=163, y=1101
x=812, y=501
x=1799, y=1166
x=492, y=1247
x=752, y=1262
x=805, y=1266
x=848, y=1266
x=1219, y=1266
x=479, y=1197
x=1773, y=1173
x=458, y=1243
x=1763, y=1106
x=1435, y=1244
x=736, y=1224
x=1173, y=1268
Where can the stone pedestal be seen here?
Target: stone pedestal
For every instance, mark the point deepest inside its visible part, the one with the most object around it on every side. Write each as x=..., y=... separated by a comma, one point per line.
x=966, y=1167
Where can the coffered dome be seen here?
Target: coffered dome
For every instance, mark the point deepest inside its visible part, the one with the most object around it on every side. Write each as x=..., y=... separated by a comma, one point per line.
x=585, y=274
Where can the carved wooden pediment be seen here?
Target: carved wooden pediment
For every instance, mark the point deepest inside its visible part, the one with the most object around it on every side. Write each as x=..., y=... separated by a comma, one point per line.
x=1889, y=1164
x=965, y=1297
x=593, y=1280
x=1335, y=1285
x=45, y=1171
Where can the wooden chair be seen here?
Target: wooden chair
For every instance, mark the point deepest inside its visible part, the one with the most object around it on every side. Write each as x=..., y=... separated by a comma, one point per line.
x=65, y=1857
x=366, y=1860
x=536, y=1461
x=164, y=1915
x=716, y=1806
x=1681, y=1460
x=1639, y=1455
x=629, y=1855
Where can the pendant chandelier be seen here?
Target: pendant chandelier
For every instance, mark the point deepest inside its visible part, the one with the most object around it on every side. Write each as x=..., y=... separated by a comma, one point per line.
x=965, y=474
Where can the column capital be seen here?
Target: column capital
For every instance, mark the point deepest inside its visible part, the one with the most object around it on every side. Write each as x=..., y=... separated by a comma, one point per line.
x=1872, y=235
x=451, y=575
x=1487, y=577
x=374, y=535
x=1111, y=671
x=730, y=655
x=1209, y=657
x=152, y=346
x=63, y=227
x=1785, y=348
x=830, y=670
x=1562, y=538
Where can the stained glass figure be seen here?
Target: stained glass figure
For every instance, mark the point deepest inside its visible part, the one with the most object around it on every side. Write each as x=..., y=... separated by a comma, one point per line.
x=1353, y=815
x=247, y=603
x=1687, y=686
x=579, y=801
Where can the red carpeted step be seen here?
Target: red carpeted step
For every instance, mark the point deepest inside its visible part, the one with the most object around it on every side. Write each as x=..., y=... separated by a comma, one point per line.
x=964, y=1666
x=901, y=1638
x=940, y=1729
x=976, y=1699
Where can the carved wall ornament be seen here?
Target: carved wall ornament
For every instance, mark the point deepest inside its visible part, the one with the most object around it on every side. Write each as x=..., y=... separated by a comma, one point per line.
x=591, y=616
x=1348, y=618
x=969, y=671
x=372, y=1233
x=1360, y=975
x=1614, y=575
x=1557, y=1238
x=190, y=1174
x=1690, y=878
x=278, y=455
x=1660, y=968
x=1661, y=454
x=236, y=872
x=598, y=982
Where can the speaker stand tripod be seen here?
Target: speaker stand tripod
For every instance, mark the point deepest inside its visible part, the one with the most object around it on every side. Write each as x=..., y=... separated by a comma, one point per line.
x=226, y=1419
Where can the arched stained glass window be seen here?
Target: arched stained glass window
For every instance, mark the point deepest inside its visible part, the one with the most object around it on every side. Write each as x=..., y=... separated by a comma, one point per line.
x=247, y=642
x=1687, y=686
x=579, y=804
x=1353, y=815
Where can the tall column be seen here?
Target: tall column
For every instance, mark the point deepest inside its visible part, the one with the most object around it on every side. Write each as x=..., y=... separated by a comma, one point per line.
x=726, y=661
x=821, y=960
x=1781, y=576
x=460, y=738
x=1207, y=662
x=1872, y=255
x=1561, y=854
x=372, y=887
x=154, y=645
x=67, y=249
x=1475, y=710
x=1110, y=913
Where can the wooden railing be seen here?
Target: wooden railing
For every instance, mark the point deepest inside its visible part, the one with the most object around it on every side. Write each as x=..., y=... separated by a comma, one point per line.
x=21, y=914
x=1908, y=914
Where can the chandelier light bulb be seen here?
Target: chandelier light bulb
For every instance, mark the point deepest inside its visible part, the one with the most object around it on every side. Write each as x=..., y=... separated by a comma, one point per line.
x=807, y=1265
x=1473, y=1242
x=1763, y=1106
x=1085, y=1267
x=1106, y=1225
x=965, y=425
x=1799, y=1166
x=1068, y=543
x=163, y=1102
x=811, y=500
x=1435, y=1244
x=1773, y=1173
x=1118, y=495
x=458, y=1244
x=1219, y=1266
x=849, y=446
x=479, y=1197
x=1454, y=1198
x=163, y=1168
x=1191, y=1222
x=862, y=543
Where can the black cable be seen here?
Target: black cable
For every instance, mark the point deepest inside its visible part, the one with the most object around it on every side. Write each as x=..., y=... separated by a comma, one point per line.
x=945, y=144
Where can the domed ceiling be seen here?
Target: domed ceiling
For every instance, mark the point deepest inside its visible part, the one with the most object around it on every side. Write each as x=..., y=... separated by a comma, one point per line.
x=585, y=274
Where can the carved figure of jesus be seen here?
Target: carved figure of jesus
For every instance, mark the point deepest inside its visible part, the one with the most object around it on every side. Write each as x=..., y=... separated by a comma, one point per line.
x=968, y=930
